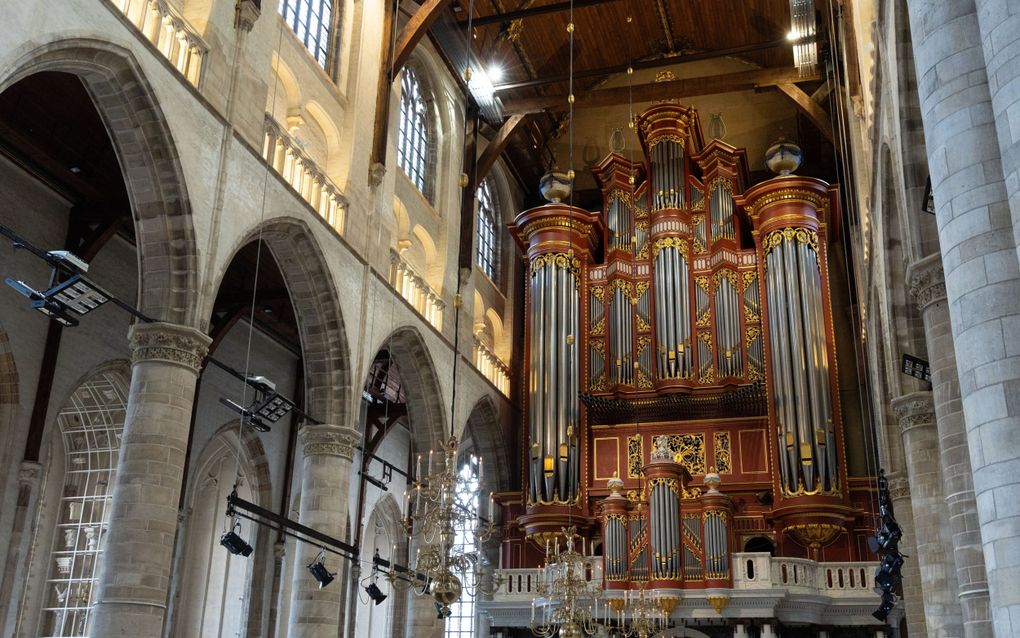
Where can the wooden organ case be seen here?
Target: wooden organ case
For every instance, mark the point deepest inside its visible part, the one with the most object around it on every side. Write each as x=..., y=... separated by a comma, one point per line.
x=681, y=380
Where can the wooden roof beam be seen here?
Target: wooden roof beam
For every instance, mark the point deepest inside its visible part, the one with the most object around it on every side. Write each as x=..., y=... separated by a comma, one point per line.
x=520, y=14
x=684, y=88
x=496, y=147
x=812, y=110
x=414, y=31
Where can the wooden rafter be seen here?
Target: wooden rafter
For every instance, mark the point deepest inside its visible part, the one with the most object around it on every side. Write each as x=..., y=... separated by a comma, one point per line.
x=520, y=14
x=496, y=147
x=414, y=30
x=812, y=110
x=684, y=88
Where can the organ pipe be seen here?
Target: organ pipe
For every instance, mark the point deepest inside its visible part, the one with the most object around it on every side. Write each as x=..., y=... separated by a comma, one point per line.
x=787, y=214
x=559, y=241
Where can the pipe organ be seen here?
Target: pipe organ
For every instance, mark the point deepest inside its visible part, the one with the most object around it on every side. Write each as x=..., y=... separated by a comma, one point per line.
x=682, y=396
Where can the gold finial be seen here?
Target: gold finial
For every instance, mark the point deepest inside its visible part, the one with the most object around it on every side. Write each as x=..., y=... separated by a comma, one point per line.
x=570, y=27
x=570, y=173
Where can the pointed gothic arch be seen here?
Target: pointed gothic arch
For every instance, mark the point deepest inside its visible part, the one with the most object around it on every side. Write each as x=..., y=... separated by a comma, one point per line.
x=149, y=163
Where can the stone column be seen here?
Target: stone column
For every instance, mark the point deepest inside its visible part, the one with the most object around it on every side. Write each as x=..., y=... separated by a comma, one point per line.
x=135, y=578
x=999, y=24
x=916, y=414
x=928, y=288
x=327, y=452
x=982, y=276
x=913, y=605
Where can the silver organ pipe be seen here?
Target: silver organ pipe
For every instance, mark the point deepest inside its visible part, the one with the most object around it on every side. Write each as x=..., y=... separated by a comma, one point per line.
x=721, y=204
x=553, y=408
x=727, y=327
x=673, y=321
x=621, y=335
x=668, y=177
x=799, y=351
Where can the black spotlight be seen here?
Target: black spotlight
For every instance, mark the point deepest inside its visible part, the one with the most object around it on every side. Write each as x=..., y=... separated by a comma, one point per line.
x=888, y=600
x=319, y=571
x=375, y=593
x=234, y=543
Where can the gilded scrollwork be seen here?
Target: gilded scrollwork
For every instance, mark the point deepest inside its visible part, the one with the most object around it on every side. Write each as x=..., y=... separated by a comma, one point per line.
x=669, y=242
x=635, y=455
x=566, y=261
x=801, y=235
x=722, y=452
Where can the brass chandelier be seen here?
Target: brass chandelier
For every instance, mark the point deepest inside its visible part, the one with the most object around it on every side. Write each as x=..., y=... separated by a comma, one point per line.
x=569, y=601
x=444, y=567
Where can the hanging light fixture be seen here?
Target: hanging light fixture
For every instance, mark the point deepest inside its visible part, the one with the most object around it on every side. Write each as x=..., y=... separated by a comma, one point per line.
x=802, y=34
x=442, y=566
x=642, y=615
x=319, y=571
x=569, y=601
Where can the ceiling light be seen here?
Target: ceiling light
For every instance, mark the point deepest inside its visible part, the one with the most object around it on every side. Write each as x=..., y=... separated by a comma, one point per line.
x=495, y=73
x=792, y=36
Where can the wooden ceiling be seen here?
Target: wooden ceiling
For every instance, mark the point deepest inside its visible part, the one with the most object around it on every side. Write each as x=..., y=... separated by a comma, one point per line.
x=536, y=48
x=529, y=42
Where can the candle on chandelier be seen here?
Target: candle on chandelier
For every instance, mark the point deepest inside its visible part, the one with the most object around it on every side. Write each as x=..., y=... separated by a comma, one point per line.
x=532, y=611
x=417, y=470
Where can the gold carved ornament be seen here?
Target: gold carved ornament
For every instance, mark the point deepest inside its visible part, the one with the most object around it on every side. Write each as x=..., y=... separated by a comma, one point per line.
x=669, y=242
x=801, y=235
x=727, y=274
x=566, y=261
x=635, y=455
x=723, y=459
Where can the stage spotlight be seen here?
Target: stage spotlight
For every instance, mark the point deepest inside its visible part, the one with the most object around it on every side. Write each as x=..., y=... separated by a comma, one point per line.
x=319, y=571
x=882, y=613
x=375, y=593
x=234, y=543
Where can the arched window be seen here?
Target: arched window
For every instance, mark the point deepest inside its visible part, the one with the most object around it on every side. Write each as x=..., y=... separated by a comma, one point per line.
x=214, y=582
x=487, y=253
x=461, y=623
x=312, y=22
x=90, y=427
x=413, y=135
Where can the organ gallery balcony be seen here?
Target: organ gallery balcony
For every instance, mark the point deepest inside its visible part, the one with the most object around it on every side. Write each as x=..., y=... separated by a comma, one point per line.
x=790, y=590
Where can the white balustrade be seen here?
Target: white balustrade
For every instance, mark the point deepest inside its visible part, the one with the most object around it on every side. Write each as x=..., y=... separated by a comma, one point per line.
x=751, y=571
x=416, y=291
x=165, y=28
x=303, y=175
x=497, y=372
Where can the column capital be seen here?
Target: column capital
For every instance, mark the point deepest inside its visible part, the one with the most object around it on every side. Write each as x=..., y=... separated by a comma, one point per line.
x=914, y=410
x=927, y=281
x=168, y=343
x=899, y=486
x=329, y=440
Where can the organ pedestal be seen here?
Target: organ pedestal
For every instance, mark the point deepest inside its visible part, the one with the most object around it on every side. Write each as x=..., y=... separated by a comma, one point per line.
x=680, y=347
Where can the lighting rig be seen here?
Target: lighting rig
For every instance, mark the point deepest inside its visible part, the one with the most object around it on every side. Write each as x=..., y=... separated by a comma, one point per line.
x=888, y=575
x=70, y=293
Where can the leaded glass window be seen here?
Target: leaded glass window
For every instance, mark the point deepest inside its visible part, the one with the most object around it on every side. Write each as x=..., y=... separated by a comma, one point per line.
x=413, y=134
x=461, y=623
x=90, y=428
x=487, y=253
x=311, y=21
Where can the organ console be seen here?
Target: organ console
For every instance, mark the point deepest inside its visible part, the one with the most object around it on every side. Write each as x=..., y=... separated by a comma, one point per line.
x=681, y=363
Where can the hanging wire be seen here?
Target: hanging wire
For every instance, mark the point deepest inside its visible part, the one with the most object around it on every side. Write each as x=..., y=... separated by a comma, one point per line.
x=468, y=183
x=255, y=280
x=839, y=122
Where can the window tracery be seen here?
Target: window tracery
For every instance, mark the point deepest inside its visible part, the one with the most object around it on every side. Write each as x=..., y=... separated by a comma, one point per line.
x=487, y=252
x=413, y=135
x=311, y=21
